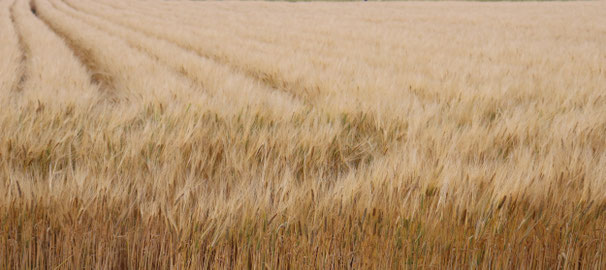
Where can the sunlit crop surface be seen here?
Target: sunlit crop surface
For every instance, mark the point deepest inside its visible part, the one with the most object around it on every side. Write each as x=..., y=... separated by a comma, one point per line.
x=189, y=135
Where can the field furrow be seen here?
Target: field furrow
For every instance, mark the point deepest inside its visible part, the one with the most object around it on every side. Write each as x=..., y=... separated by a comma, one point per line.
x=388, y=73
x=54, y=74
x=221, y=82
x=132, y=74
x=272, y=46
x=10, y=53
x=189, y=38
x=305, y=32
x=24, y=53
x=347, y=91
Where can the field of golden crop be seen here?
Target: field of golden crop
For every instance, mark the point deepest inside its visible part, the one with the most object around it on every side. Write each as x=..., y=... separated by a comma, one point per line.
x=273, y=135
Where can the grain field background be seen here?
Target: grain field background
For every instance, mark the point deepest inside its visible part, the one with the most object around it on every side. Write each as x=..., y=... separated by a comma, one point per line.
x=273, y=135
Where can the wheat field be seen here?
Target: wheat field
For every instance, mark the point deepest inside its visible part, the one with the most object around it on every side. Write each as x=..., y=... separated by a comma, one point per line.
x=274, y=135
